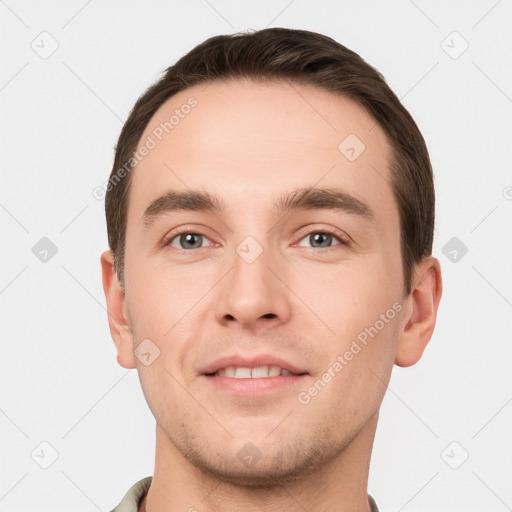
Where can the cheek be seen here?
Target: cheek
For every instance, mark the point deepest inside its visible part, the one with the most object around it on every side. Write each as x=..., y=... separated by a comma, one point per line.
x=352, y=382
x=359, y=306
x=348, y=296
x=161, y=294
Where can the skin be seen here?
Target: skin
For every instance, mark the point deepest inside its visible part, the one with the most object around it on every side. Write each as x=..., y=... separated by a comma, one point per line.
x=248, y=143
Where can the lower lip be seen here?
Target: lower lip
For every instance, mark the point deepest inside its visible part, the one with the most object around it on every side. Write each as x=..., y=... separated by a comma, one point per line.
x=255, y=387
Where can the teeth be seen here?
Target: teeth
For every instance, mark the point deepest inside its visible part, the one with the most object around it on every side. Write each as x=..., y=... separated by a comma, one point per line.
x=230, y=371
x=254, y=373
x=274, y=371
x=260, y=371
x=243, y=373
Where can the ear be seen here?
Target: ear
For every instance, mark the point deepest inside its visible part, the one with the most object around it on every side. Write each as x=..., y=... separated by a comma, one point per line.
x=120, y=329
x=420, y=312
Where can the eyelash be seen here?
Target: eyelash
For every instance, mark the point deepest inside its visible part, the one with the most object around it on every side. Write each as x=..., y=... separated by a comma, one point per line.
x=335, y=233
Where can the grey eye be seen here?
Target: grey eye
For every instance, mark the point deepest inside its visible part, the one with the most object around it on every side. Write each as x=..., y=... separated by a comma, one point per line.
x=320, y=239
x=187, y=241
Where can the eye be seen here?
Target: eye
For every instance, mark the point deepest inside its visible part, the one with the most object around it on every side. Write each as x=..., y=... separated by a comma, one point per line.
x=187, y=240
x=322, y=239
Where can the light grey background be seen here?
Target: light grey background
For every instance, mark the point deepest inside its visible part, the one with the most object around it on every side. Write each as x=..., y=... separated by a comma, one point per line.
x=61, y=116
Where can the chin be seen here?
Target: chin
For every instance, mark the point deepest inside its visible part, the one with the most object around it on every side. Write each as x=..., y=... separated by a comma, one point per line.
x=261, y=463
x=265, y=473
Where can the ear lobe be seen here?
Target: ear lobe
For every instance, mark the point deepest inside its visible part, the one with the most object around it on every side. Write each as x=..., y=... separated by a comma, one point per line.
x=420, y=313
x=120, y=329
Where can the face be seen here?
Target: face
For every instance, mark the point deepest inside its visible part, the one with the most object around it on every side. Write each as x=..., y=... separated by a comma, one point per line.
x=315, y=288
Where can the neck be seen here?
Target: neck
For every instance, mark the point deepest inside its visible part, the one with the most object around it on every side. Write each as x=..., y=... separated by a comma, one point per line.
x=340, y=484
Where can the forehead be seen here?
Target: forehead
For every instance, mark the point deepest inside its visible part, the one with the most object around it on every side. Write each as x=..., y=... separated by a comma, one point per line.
x=250, y=142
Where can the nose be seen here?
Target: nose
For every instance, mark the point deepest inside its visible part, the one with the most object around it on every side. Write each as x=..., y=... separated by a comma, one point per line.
x=254, y=293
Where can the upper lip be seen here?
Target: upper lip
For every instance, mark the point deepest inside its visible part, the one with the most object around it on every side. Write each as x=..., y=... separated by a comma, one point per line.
x=241, y=361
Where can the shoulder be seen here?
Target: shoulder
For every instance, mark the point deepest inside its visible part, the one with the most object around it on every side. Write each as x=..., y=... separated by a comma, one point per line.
x=373, y=505
x=131, y=500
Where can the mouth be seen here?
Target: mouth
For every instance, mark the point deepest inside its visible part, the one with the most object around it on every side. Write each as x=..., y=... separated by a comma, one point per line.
x=258, y=372
x=257, y=376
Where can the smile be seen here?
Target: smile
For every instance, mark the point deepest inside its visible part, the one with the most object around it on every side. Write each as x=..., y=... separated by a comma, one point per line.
x=259, y=372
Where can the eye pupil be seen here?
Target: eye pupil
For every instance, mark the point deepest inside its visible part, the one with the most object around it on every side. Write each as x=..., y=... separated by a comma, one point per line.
x=189, y=238
x=320, y=238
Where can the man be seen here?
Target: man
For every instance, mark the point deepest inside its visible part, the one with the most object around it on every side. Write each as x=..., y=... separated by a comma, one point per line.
x=270, y=216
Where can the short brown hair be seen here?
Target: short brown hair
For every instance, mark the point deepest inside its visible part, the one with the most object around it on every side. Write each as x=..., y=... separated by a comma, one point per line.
x=307, y=58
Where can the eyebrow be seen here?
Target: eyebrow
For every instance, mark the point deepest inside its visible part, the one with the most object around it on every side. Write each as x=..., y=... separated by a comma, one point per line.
x=300, y=199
